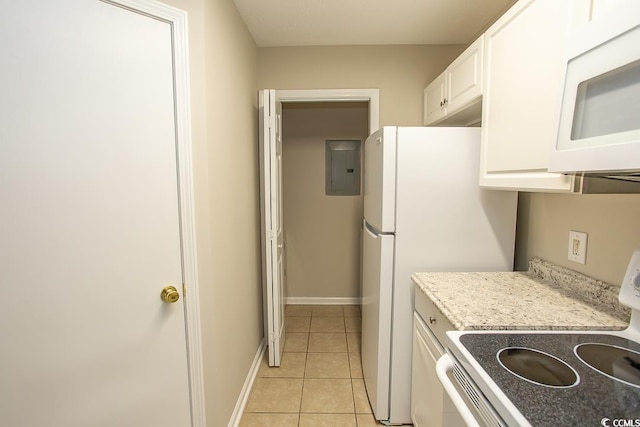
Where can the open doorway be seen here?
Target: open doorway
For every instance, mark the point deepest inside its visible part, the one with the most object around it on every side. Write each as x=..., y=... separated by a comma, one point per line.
x=274, y=258
x=322, y=231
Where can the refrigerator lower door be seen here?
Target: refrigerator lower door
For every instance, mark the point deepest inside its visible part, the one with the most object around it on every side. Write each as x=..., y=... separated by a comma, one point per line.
x=377, y=284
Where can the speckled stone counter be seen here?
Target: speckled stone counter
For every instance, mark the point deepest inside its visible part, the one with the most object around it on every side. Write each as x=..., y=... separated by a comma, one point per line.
x=547, y=297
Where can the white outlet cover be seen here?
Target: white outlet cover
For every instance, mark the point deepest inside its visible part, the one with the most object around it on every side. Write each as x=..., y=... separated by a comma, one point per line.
x=577, y=251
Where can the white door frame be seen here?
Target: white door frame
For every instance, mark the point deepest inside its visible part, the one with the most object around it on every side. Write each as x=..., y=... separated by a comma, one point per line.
x=177, y=19
x=338, y=95
x=372, y=96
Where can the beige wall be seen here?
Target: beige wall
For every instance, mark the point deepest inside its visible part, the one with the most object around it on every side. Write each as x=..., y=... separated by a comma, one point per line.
x=400, y=72
x=322, y=233
x=224, y=124
x=232, y=299
x=612, y=223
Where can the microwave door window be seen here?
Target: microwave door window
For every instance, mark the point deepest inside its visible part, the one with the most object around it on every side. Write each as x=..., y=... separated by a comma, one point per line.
x=608, y=104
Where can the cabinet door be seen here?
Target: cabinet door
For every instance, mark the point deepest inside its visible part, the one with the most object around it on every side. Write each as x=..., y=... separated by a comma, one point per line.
x=464, y=77
x=426, y=391
x=523, y=78
x=434, y=94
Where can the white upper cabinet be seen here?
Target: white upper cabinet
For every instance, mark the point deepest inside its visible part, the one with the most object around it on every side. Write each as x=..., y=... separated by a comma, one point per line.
x=586, y=11
x=434, y=100
x=524, y=62
x=450, y=99
x=464, y=77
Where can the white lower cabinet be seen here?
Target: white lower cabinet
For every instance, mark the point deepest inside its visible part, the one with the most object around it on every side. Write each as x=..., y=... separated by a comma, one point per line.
x=524, y=66
x=430, y=405
x=426, y=390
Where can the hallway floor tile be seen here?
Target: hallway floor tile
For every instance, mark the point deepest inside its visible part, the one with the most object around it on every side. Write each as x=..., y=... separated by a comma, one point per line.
x=319, y=383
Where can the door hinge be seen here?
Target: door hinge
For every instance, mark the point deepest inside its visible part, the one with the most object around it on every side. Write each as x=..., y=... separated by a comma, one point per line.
x=272, y=121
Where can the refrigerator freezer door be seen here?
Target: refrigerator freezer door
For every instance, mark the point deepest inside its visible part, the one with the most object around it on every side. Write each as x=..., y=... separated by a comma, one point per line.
x=377, y=284
x=380, y=179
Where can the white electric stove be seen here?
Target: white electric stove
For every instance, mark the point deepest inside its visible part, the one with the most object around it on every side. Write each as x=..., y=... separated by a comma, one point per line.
x=548, y=378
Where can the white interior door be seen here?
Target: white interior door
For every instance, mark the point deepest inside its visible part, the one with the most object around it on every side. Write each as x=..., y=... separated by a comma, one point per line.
x=89, y=223
x=272, y=222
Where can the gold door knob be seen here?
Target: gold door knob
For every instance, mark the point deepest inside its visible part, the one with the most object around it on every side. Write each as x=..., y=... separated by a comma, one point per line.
x=169, y=295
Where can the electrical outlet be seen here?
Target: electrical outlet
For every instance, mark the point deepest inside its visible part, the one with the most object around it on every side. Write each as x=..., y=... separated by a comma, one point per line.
x=577, y=247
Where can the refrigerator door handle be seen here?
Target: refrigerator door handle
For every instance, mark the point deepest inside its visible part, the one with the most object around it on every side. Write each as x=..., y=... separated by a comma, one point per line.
x=369, y=229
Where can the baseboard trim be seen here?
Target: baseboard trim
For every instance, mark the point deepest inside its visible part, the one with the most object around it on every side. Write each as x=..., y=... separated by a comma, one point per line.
x=246, y=388
x=323, y=300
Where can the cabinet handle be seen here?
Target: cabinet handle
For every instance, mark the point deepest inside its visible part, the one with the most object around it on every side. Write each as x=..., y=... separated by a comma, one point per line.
x=432, y=320
x=441, y=103
x=446, y=101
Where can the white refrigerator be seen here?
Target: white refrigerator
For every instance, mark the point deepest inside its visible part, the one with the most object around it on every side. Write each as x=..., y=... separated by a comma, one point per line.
x=423, y=211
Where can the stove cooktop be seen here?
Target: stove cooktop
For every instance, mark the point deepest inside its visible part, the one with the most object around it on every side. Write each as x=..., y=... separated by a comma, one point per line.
x=549, y=378
x=543, y=376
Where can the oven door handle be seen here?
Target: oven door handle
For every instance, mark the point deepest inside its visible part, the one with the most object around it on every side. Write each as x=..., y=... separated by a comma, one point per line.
x=443, y=367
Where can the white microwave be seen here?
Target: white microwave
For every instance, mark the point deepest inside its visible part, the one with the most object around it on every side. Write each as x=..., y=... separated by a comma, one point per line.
x=599, y=128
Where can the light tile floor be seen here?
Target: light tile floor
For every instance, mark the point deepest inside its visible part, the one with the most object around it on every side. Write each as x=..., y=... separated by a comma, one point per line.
x=319, y=383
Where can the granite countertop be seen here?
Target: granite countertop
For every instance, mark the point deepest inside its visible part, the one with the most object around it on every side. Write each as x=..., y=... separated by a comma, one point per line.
x=547, y=297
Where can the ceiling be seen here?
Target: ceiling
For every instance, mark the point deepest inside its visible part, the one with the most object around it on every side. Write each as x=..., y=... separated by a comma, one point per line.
x=359, y=22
